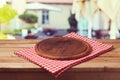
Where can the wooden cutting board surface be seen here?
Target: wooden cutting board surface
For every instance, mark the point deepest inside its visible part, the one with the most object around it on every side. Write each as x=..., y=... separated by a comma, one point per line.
x=62, y=48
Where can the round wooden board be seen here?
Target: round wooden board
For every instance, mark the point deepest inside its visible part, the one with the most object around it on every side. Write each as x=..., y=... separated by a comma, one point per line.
x=62, y=48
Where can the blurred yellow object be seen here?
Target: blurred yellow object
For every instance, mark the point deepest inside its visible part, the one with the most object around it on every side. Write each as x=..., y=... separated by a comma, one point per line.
x=7, y=13
x=3, y=36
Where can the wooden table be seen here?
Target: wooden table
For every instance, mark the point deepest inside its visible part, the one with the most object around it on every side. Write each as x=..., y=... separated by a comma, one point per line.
x=12, y=67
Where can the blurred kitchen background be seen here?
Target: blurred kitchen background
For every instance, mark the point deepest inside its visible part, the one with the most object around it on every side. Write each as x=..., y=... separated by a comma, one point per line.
x=41, y=19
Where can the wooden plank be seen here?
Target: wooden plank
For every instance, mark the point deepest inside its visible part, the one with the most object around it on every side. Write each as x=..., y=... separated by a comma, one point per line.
x=108, y=54
x=96, y=62
x=110, y=41
x=31, y=44
x=100, y=66
x=16, y=45
x=35, y=75
x=14, y=66
x=111, y=54
x=23, y=41
x=18, y=48
x=108, y=58
x=97, y=59
x=10, y=59
x=11, y=49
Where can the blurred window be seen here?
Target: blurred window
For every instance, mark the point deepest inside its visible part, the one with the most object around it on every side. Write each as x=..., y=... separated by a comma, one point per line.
x=45, y=17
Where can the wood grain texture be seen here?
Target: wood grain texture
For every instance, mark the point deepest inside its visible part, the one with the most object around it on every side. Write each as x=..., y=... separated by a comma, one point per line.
x=103, y=67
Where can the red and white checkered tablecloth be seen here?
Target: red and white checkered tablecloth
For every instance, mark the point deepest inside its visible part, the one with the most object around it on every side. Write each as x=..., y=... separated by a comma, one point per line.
x=56, y=67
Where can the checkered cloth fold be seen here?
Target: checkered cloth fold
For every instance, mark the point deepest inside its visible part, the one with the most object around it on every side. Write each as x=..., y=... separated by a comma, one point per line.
x=56, y=67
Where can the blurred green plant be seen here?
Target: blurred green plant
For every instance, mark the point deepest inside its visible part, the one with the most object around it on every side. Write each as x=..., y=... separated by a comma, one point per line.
x=29, y=18
x=7, y=13
x=17, y=31
x=13, y=32
x=30, y=27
